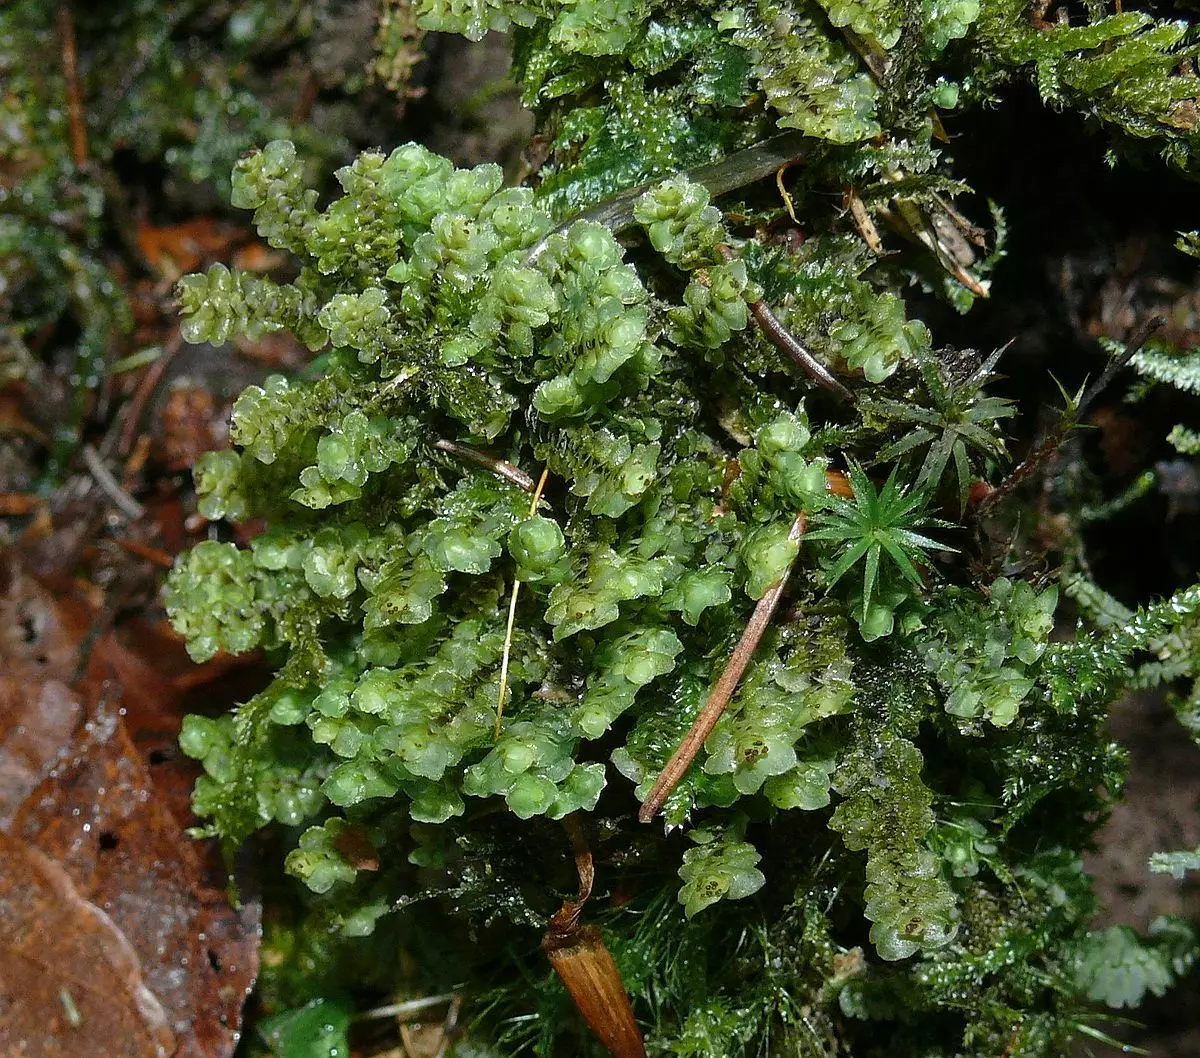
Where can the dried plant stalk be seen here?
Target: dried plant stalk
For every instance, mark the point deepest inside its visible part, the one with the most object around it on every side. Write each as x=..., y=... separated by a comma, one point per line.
x=707, y=718
x=586, y=966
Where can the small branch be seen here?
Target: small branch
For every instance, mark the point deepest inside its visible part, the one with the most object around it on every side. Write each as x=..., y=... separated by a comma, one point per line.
x=721, y=694
x=783, y=339
x=150, y=554
x=513, y=475
x=1136, y=340
x=1070, y=418
x=145, y=390
x=66, y=28
x=862, y=220
x=127, y=504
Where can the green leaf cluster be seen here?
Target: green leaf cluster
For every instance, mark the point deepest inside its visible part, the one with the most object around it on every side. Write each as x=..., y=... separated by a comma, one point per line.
x=885, y=822
x=986, y=661
x=1118, y=968
x=876, y=527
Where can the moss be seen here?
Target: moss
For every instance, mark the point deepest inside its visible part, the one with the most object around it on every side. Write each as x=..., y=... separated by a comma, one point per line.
x=890, y=811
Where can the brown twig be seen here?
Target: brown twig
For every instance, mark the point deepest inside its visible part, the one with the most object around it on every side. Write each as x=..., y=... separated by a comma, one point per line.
x=19, y=504
x=66, y=28
x=145, y=390
x=1069, y=419
x=783, y=339
x=110, y=486
x=721, y=694
x=1134, y=346
x=513, y=475
x=150, y=554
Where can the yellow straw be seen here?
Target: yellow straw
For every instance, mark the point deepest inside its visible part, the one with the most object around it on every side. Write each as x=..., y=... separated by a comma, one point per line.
x=512, y=616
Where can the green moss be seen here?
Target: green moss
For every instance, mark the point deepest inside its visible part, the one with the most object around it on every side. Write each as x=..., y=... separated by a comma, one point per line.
x=886, y=820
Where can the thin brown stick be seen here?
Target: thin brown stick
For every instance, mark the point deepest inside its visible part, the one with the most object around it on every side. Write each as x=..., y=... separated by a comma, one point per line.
x=513, y=475
x=783, y=339
x=1137, y=339
x=110, y=486
x=707, y=718
x=145, y=390
x=150, y=554
x=19, y=504
x=66, y=28
x=1068, y=420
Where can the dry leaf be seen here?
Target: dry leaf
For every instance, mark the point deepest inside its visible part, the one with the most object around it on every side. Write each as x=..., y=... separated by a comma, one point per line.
x=68, y=977
x=74, y=783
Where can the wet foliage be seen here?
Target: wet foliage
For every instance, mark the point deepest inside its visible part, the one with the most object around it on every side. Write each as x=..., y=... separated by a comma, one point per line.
x=650, y=434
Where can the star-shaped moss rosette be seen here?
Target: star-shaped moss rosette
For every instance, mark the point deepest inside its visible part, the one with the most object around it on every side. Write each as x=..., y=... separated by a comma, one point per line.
x=877, y=528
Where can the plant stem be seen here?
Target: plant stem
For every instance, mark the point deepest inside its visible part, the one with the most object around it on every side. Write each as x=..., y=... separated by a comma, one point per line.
x=70, y=63
x=783, y=339
x=719, y=698
x=512, y=612
x=513, y=475
x=1042, y=453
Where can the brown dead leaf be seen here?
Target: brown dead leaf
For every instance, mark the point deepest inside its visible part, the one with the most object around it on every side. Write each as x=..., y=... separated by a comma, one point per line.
x=110, y=810
x=37, y=720
x=160, y=684
x=39, y=633
x=278, y=350
x=356, y=847
x=97, y=814
x=256, y=256
x=173, y=249
x=69, y=981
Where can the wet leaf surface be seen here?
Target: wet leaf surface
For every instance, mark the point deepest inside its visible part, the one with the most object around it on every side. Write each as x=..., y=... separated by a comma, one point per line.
x=98, y=874
x=68, y=976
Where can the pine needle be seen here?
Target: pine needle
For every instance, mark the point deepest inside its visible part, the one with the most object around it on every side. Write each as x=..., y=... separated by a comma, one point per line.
x=512, y=616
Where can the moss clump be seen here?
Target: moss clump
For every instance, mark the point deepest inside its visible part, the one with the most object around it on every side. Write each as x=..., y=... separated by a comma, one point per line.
x=899, y=792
